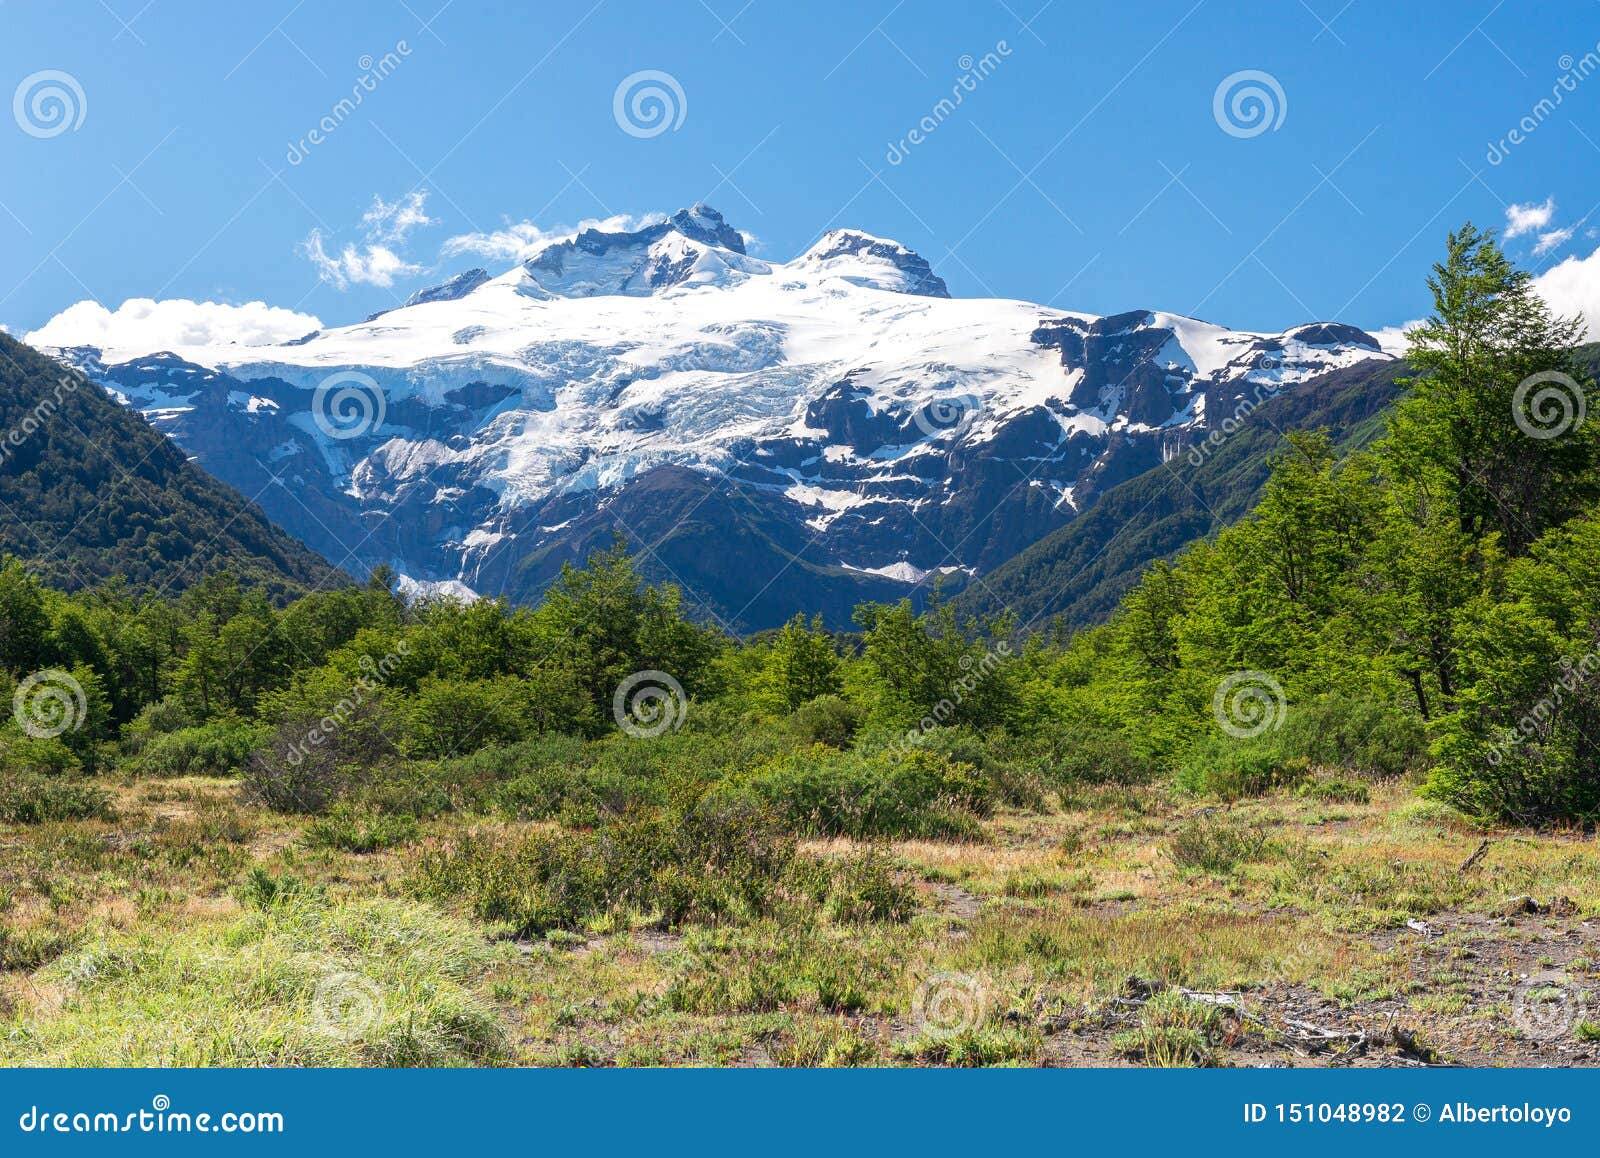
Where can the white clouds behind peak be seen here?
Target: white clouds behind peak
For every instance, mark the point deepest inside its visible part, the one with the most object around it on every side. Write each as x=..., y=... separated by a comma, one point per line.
x=520, y=240
x=142, y=326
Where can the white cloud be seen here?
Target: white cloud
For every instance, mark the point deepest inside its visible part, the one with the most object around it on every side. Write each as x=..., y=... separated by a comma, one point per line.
x=392, y=221
x=1529, y=218
x=1392, y=339
x=144, y=326
x=371, y=264
x=1554, y=239
x=520, y=240
x=378, y=261
x=1573, y=287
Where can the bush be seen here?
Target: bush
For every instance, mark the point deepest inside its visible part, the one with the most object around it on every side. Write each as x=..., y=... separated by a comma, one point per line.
x=1216, y=845
x=1017, y=770
x=826, y=720
x=308, y=761
x=712, y=863
x=20, y=752
x=1336, y=791
x=866, y=888
x=1358, y=736
x=1097, y=756
x=579, y=796
x=219, y=748
x=1234, y=769
x=823, y=792
x=352, y=828
x=31, y=799
x=453, y=717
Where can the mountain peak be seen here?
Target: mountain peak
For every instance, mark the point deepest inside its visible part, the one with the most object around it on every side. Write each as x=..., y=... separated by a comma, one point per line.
x=694, y=245
x=852, y=247
x=704, y=224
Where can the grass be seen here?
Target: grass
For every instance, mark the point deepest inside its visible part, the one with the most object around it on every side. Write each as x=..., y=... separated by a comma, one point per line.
x=301, y=982
x=200, y=929
x=1178, y=1031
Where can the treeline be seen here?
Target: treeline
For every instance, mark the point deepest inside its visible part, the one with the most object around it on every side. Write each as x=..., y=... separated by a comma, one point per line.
x=1429, y=607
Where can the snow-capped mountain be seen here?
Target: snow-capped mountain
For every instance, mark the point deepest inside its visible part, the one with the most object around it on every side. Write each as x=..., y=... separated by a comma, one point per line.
x=773, y=436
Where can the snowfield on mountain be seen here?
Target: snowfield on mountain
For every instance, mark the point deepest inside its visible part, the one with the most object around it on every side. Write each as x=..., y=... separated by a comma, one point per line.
x=768, y=435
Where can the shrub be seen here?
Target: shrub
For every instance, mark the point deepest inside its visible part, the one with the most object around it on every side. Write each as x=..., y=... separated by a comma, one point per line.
x=352, y=828
x=1234, y=769
x=1216, y=845
x=453, y=717
x=710, y=864
x=20, y=752
x=1336, y=791
x=31, y=799
x=308, y=761
x=1358, y=736
x=867, y=888
x=218, y=748
x=581, y=786
x=919, y=794
x=1175, y=1030
x=1018, y=770
x=826, y=720
x=1097, y=756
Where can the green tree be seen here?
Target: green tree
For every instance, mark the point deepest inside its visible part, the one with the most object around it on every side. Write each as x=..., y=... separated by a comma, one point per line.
x=1492, y=426
x=802, y=664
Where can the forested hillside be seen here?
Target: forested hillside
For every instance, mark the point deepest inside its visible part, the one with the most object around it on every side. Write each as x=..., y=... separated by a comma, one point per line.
x=89, y=491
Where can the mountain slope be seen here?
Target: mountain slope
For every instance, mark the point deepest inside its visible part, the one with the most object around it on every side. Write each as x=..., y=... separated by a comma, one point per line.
x=1077, y=574
x=89, y=491
x=849, y=428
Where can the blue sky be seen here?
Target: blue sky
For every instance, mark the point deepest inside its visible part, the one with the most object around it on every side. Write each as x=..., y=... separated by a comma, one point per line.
x=1087, y=168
